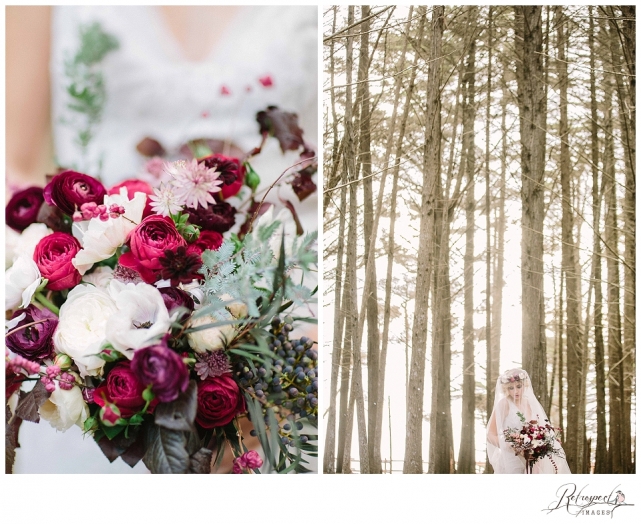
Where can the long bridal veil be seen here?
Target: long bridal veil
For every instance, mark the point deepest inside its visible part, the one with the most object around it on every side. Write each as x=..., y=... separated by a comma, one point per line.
x=505, y=415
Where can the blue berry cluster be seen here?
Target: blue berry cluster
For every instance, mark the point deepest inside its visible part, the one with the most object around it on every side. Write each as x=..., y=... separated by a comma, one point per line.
x=286, y=383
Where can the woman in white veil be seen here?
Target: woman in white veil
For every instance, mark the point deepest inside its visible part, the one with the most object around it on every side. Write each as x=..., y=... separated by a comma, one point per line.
x=513, y=395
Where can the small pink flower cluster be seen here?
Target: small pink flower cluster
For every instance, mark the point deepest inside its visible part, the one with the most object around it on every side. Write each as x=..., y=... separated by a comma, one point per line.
x=65, y=380
x=249, y=460
x=20, y=363
x=91, y=210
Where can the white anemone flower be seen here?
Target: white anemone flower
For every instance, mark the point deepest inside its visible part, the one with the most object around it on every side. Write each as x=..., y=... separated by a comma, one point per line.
x=101, y=239
x=142, y=317
x=82, y=327
x=21, y=282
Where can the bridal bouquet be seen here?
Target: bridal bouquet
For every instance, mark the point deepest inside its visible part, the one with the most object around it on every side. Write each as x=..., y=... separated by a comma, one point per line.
x=135, y=313
x=534, y=441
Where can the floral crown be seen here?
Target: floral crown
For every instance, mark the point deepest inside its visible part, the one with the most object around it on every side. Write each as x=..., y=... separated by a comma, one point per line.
x=513, y=375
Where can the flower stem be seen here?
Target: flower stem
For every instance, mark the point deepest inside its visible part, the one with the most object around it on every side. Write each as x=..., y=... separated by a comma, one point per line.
x=47, y=303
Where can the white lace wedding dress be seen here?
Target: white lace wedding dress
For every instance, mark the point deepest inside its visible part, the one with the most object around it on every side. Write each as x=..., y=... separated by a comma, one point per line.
x=153, y=91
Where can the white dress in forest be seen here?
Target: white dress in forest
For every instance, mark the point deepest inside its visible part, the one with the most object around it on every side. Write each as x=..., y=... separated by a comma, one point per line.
x=152, y=91
x=505, y=415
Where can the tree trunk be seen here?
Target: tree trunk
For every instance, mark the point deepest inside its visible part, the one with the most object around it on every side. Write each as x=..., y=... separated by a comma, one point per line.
x=615, y=350
x=329, y=456
x=365, y=157
x=601, y=452
x=466, y=458
x=628, y=135
x=390, y=248
x=532, y=121
x=413, y=462
x=573, y=444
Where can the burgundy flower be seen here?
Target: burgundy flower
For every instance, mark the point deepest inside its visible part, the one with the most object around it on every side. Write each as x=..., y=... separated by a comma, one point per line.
x=174, y=297
x=163, y=369
x=22, y=210
x=212, y=364
x=70, y=189
x=148, y=243
x=232, y=172
x=181, y=266
x=208, y=240
x=53, y=256
x=219, y=401
x=34, y=342
x=123, y=389
x=135, y=186
x=215, y=217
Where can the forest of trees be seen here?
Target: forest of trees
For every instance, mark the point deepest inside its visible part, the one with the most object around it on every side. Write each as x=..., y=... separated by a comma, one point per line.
x=463, y=144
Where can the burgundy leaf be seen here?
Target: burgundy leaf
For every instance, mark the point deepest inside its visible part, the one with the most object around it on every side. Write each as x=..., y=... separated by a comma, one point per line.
x=29, y=404
x=303, y=186
x=290, y=206
x=283, y=126
x=12, y=426
x=150, y=147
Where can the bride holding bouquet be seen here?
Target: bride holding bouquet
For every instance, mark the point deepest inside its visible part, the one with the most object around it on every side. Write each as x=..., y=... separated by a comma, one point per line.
x=519, y=435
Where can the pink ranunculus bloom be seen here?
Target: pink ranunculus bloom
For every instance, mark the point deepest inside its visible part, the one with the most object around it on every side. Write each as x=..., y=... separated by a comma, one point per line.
x=53, y=256
x=123, y=389
x=148, y=243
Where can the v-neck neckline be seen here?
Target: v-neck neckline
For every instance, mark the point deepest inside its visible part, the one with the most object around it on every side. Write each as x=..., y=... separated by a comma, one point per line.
x=165, y=34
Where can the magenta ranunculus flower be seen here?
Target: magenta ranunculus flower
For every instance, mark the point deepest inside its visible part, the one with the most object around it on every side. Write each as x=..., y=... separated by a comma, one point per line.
x=33, y=342
x=22, y=210
x=123, y=389
x=163, y=369
x=53, y=256
x=216, y=217
x=219, y=401
x=232, y=172
x=69, y=190
x=148, y=243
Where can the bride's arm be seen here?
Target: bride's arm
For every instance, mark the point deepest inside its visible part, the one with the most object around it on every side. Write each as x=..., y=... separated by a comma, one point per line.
x=28, y=136
x=492, y=432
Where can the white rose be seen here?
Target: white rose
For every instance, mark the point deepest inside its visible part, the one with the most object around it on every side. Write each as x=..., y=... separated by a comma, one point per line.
x=25, y=244
x=99, y=277
x=141, y=317
x=21, y=281
x=82, y=327
x=64, y=408
x=237, y=308
x=101, y=239
x=213, y=338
